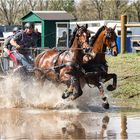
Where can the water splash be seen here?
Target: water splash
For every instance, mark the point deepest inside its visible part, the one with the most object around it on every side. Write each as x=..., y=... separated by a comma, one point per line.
x=17, y=93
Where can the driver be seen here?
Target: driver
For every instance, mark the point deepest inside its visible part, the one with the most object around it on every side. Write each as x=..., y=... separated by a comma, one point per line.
x=21, y=44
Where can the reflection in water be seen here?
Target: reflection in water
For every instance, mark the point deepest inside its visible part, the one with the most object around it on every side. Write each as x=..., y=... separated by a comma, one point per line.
x=123, y=127
x=105, y=122
x=30, y=124
x=18, y=124
x=74, y=131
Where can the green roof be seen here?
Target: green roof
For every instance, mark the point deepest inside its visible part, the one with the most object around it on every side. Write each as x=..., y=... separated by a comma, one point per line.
x=47, y=15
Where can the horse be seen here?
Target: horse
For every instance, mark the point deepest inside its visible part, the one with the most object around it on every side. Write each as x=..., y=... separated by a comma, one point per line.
x=64, y=66
x=96, y=68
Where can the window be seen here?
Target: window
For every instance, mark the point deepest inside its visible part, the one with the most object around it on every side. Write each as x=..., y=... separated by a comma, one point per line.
x=62, y=34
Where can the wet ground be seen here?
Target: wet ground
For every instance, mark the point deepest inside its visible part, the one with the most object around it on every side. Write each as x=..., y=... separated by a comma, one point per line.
x=31, y=113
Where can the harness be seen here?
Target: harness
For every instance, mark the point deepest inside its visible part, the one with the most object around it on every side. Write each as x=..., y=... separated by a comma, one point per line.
x=75, y=65
x=56, y=68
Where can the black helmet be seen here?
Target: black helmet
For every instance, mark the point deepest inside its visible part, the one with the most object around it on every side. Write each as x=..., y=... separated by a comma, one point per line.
x=15, y=29
x=29, y=25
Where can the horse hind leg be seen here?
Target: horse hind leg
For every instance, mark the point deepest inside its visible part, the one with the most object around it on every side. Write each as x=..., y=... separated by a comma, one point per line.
x=114, y=77
x=105, y=103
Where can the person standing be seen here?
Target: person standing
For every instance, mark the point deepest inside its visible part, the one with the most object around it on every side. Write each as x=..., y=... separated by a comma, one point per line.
x=62, y=41
x=38, y=36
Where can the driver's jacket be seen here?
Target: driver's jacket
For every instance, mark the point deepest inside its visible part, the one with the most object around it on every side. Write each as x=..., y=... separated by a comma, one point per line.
x=7, y=42
x=25, y=40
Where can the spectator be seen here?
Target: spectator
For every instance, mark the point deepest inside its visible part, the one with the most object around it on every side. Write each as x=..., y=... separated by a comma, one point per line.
x=62, y=41
x=38, y=37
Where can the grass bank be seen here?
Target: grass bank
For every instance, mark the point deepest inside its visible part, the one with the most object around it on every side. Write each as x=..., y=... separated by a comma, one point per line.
x=127, y=68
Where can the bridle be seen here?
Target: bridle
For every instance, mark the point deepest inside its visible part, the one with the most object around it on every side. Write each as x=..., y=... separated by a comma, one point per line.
x=108, y=38
x=109, y=33
x=82, y=30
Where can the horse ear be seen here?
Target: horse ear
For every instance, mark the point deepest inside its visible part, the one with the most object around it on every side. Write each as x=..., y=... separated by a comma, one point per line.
x=86, y=25
x=77, y=26
x=114, y=27
x=105, y=27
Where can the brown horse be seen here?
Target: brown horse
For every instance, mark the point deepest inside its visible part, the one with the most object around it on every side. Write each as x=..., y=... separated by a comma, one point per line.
x=65, y=66
x=96, y=67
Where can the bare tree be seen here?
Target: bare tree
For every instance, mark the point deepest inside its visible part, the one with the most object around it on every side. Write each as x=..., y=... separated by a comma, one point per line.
x=99, y=5
x=137, y=8
x=85, y=10
x=36, y=4
x=55, y=5
x=32, y=4
x=10, y=10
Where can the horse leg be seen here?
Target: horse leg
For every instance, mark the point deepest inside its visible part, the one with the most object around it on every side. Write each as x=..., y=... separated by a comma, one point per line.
x=105, y=103
x=108, y=77
x=68, y=92
x=77, y=87
x=74, y=85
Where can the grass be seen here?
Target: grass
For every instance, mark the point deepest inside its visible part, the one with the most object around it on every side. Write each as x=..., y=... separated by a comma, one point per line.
x=127, y=68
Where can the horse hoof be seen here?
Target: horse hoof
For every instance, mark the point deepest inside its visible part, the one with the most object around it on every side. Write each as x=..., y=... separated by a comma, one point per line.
x=105, y=105
x=110, y=88
x=66, y=94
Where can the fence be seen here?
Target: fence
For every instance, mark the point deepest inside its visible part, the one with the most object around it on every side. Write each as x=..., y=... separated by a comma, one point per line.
x=124, y=26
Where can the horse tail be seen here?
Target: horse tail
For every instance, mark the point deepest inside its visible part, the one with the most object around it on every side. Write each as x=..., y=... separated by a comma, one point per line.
x=37, y=59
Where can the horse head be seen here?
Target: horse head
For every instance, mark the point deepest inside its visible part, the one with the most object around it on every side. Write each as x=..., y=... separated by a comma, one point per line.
x=110, y=40
x=104, y=37
x=81, y=34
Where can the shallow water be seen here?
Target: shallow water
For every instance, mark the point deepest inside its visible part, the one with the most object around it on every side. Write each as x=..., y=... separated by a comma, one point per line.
x=33, y=124
x=31, y=113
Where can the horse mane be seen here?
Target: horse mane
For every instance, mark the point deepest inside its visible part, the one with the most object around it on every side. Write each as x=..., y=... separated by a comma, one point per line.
x=73, y=36
x=93, y=38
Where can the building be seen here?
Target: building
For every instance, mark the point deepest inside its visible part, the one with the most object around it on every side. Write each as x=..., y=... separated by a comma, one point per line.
x=51, y=24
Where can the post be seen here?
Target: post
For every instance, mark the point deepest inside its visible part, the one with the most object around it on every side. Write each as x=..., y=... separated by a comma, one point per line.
x=123, y=33
x=43, y=34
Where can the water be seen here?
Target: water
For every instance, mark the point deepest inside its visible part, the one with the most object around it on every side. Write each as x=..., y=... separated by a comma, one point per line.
x=40, y=124
x=31, y=113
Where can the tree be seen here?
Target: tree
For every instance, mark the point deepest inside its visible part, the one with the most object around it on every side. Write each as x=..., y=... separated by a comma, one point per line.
x=99, y=5
x=137, y=8
x=10, y=9
x=85, y=11
x=67, y=5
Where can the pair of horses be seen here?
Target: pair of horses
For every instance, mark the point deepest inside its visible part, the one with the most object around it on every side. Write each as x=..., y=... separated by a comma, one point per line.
x=81, y=63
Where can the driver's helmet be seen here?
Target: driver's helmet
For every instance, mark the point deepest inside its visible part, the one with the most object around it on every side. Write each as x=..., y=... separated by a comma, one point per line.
x=29, y=25
x=16, y=29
